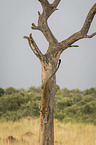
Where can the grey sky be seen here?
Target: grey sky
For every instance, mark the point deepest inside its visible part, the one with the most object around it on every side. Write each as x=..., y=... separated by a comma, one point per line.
x=20, y=68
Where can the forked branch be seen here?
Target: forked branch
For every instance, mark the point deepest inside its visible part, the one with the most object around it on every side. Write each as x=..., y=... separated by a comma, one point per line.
x=90, y=36
x=48, y=9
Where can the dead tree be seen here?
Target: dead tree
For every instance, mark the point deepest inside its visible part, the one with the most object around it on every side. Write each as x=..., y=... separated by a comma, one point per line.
x=50, y=63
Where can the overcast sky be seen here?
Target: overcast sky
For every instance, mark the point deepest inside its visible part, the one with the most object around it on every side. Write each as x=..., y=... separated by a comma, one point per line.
x=20, y=68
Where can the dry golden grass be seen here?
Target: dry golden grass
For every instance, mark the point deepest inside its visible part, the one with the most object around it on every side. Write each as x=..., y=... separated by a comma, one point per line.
x=26, y=132
x=75, y=134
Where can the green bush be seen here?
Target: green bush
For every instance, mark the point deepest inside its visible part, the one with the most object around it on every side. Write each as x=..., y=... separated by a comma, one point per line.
x=59, y=115
x=90, y=91
x=35, y=90
x=70, y=105
x=10, y=91
x=1, y=92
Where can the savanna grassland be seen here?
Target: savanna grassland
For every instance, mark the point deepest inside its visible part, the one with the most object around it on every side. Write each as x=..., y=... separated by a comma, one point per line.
x=26, y=132
x=22, y=132
x=74, y=113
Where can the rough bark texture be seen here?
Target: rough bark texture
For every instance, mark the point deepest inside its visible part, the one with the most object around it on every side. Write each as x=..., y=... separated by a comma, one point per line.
x=50, y=64
x=47, y=123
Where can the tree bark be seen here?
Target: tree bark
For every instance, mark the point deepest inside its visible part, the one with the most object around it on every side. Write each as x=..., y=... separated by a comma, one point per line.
x=49, y=66
x=47, y=123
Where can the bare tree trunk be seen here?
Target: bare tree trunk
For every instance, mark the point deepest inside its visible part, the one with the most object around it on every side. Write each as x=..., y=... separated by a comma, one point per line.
x=47, y=102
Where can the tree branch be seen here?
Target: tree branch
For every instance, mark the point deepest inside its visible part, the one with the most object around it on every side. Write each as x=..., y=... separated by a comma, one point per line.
x=55, y=3
x=90, y=36
x=43, y=2
x=74, y=46
x=88, y=20
x=35, y=27
x=34, y=47
x=82, y=33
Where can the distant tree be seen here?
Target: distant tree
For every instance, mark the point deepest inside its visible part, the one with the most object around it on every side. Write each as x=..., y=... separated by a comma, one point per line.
x=1, y=92
x=90, y=91
x=10, y=90
x=50, y=63
x=35, y=90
